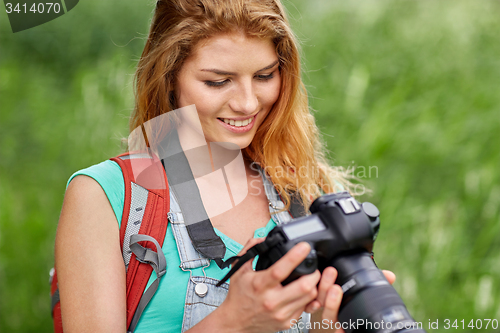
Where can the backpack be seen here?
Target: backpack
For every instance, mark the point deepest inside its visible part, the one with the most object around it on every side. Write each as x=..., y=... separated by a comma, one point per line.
x=144, y=220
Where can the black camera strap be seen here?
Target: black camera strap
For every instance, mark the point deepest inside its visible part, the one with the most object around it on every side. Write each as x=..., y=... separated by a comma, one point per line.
x=254, y=251
x=182, y=183
x=198, y=224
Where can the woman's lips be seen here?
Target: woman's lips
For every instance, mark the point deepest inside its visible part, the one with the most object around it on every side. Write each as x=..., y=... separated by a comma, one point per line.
x=234, y=128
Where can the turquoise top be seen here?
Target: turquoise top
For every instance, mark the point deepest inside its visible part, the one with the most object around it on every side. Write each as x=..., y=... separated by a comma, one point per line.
x=165, y=311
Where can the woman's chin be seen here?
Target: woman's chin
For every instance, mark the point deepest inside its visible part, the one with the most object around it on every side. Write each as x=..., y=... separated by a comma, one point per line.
x=229, y=145
x=231, y=142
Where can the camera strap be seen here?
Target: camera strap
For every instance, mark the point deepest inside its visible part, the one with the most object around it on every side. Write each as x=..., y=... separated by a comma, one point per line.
x=183, y=185
x=254, y=251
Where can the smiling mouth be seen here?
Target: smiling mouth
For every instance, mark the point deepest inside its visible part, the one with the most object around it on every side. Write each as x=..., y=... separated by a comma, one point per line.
x=237, y=123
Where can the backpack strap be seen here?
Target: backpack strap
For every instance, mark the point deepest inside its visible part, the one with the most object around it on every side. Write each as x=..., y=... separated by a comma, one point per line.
x=145, y=221
x=55, y=305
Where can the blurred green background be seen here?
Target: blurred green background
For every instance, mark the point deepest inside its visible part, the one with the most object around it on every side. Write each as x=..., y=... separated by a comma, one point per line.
x=406, y=95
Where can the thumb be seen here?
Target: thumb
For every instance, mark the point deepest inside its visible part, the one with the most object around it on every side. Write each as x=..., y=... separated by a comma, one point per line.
x=251, y=242
x=248, y=265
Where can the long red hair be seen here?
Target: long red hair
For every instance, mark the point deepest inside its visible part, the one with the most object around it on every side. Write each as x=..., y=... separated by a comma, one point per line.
x=287, y=144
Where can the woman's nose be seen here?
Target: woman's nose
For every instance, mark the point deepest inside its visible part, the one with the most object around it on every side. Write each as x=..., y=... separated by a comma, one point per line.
x=245, y=99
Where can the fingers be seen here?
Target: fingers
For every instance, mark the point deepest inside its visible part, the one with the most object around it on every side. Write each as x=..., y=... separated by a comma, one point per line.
x=303, y=290
x=300, y=293
x=286, y=303
x=295, y=295
x=390, y=276
x=327, y=280
x=313, y=306
x=332, y=303
x=281, y=269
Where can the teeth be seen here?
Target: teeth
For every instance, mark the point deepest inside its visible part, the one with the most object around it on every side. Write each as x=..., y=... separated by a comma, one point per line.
x=238, y=123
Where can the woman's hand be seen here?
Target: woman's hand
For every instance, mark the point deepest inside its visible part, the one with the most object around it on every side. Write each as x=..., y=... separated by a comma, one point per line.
x=325, y=308
x=257, y=302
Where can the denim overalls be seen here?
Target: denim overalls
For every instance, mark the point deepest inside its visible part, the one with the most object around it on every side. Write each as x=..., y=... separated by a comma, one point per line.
x=196, y=308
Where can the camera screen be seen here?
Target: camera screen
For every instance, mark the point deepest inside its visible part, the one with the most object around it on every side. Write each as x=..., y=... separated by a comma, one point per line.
x=309, y=226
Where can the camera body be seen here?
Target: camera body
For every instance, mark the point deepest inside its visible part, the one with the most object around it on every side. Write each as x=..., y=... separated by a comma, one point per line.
x=338, y=223
x=341, y=233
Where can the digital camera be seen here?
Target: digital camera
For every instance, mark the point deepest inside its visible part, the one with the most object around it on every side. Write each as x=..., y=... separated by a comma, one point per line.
x=341, y=232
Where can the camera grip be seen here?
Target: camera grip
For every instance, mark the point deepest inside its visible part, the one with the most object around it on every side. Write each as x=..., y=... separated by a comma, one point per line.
x=308, y=266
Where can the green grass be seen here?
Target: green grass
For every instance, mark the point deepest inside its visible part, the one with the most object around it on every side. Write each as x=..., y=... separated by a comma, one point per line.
x=411, y=87
x=408, y=88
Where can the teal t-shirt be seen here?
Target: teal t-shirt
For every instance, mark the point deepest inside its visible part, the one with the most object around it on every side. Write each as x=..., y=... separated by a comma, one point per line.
x=165, y=311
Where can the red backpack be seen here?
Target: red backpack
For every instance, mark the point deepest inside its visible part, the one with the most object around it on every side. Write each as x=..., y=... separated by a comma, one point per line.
x=145, y=220
x=145, y=211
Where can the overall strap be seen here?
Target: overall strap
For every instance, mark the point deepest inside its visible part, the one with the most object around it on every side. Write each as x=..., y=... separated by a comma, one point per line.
x=276, y=205
x=144, y=221
x=189, y=257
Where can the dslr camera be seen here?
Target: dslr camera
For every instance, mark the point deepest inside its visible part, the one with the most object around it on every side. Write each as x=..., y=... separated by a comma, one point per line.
x=341, y=232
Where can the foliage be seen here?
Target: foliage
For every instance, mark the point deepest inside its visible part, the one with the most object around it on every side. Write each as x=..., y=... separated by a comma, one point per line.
x=405, y=93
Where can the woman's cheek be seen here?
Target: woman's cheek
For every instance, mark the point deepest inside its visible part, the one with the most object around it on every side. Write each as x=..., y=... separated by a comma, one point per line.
x=273, y=92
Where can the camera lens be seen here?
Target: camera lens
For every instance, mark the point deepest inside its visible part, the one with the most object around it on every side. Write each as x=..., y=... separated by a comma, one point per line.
x=370, y=303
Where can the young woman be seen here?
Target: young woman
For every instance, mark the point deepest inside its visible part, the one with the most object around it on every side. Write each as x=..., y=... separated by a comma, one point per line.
x=237, y=62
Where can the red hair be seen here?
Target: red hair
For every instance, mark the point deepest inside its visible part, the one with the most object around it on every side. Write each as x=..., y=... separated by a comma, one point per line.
x=288, y=139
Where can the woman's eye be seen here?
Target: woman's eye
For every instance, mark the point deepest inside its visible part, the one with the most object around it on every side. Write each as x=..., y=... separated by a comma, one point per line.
x=265, y=77
x=216, y=83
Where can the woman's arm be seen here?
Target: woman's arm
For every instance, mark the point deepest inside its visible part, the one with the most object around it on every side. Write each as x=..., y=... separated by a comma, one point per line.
x=90, y=268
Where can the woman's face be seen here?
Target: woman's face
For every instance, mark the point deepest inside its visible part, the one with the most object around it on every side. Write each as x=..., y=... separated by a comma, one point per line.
x=234, y=81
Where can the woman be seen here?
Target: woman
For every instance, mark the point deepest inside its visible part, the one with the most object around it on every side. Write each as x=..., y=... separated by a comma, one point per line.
x=237, y=62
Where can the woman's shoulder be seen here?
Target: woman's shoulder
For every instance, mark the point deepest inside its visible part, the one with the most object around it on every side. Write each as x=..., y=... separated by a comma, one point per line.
x=87, y=240
x=109, y=176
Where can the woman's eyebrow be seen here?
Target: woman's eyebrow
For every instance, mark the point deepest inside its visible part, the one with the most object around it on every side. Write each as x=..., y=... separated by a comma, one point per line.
x=268, y=67
x=222, y=72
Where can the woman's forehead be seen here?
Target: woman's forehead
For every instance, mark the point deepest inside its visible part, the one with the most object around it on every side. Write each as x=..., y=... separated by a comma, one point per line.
x=233, y=52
